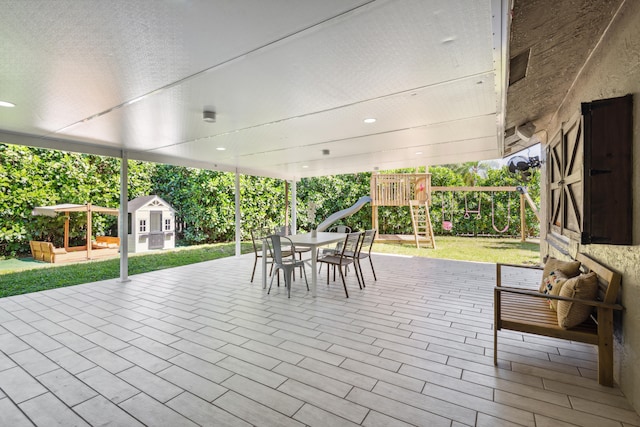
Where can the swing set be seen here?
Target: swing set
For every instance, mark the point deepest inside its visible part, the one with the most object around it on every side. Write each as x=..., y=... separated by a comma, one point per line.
x=415, y=191
x=447, y=217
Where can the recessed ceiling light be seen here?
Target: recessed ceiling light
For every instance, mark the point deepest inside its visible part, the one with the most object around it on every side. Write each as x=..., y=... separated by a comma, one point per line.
x=305, y=166
x=418, y=152
x=370, y=120
x=7, y=104
x=209, y=116
x=220, y=148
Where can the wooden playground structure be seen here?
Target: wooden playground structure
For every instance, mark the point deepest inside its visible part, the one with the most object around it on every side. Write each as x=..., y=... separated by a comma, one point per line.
x=414, y=190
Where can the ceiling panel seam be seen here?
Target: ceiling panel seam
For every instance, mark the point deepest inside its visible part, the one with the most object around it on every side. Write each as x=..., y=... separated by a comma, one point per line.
x=216, y=66
x=327, y=110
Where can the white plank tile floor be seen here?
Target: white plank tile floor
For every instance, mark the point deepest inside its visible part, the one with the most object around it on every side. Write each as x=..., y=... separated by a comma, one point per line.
x=200, y=345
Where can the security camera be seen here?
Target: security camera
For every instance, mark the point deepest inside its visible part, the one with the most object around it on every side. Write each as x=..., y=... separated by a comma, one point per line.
x=518, y=163
x=523, y=165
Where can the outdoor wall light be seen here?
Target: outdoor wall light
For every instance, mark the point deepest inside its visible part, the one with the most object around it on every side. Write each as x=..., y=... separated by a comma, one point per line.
x=209, y=116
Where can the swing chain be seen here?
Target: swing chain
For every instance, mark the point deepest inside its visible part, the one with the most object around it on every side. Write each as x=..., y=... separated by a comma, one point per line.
x=447, y=225
x=468, y=212
x=493, y=223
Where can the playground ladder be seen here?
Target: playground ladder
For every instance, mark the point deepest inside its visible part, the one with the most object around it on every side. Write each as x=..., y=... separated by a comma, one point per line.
x=421, y=221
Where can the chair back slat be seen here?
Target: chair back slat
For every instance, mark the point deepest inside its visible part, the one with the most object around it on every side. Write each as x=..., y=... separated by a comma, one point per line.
x=256, y=238
x=340, y=229
x=276, y=247
x=282, y=230
x=367, y=240
x=351, y=243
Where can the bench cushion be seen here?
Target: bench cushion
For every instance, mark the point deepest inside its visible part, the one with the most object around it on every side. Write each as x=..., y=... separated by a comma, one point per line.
x=553, y=284
x=571, y=314
x=568, y=268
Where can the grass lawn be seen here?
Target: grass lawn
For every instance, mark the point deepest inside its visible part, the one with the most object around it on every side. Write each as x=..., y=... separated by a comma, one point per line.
x=481, y=249
x=37, y=276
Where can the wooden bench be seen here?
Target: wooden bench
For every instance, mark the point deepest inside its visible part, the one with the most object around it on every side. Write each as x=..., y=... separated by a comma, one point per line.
x=526, y=310
x=45, y=251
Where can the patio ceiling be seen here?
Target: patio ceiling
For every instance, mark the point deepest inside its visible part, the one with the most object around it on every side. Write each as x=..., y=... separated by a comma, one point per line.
x=287, y=80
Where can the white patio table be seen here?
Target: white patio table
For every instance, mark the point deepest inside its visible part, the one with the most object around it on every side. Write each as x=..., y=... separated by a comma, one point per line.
x=305, y=240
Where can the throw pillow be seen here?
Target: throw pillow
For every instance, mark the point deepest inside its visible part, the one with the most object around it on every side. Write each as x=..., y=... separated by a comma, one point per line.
x=571, y=313
x=552, y=285
x=568, y=268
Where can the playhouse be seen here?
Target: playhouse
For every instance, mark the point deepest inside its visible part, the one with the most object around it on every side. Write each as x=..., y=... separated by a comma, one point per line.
x=151, y=224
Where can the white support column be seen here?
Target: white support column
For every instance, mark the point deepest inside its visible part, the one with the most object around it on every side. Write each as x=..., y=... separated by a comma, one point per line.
x=238, y=217
x=294, y=208
x=124, y=217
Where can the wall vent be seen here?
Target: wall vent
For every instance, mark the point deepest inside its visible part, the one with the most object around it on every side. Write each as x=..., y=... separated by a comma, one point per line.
x=518, y=66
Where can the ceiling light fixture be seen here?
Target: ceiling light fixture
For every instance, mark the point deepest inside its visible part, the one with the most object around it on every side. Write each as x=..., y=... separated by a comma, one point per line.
x=220, y=148
x=418, y=153
x=326, y=152
x=7, y=104
x=369, y=120
x=305, y=166
x=209, y=116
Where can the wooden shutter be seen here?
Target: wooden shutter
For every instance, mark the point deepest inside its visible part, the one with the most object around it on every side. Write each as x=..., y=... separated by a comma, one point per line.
x=608, y=157
x=565, y=157
x=589, y=166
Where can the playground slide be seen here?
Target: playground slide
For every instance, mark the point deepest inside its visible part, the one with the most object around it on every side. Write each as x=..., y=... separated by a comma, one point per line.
x=344, y=213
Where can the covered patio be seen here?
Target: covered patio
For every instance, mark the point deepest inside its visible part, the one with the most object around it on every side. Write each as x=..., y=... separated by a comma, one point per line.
x=201, y=345
x=288, y=92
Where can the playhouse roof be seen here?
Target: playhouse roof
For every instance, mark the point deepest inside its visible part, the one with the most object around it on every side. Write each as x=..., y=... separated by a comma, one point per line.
x=142, y=201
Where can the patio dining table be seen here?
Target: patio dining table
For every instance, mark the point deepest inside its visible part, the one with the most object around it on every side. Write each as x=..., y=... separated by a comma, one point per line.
x=307, y=241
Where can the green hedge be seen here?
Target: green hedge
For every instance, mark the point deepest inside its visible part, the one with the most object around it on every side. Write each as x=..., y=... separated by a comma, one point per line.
x=204, y=200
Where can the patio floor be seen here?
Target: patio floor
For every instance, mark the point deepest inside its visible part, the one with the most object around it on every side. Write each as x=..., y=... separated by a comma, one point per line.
x=200, y=345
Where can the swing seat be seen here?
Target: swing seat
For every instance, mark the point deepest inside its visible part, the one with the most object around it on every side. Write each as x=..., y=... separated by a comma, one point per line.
x=447, y=225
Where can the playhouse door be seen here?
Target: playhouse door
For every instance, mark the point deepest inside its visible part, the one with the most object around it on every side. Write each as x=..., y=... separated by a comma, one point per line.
x=156, y=235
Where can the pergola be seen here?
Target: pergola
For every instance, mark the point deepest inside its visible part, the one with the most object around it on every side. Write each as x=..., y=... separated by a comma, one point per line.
x=67, y=208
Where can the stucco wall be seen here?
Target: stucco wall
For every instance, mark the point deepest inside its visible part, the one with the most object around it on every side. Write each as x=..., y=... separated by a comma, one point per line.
x=614, y=70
